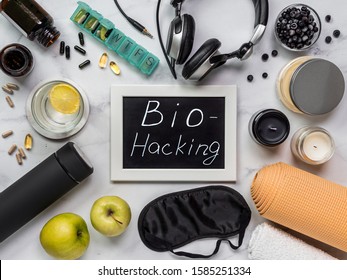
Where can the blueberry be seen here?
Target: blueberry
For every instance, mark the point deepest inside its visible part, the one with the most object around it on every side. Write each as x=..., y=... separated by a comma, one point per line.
x=265, y=57
x=265, y=75
x=250, y=78
x=336, y=33
x=274, y=53
x=328, y=18
x=328, y=39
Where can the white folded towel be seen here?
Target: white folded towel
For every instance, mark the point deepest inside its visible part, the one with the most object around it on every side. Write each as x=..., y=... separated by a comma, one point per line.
x=270, y=243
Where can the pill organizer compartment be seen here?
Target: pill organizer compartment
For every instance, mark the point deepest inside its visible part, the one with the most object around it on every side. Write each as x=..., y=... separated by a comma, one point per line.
x=81, y=13
x=104, y=30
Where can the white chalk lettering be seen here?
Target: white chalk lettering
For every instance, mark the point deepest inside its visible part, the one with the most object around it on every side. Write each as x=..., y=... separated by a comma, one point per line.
x=136, y=146
x=190, y=114
x=152, y=111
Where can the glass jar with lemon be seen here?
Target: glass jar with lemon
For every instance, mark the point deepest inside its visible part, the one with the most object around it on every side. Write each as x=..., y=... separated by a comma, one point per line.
x=57, y=109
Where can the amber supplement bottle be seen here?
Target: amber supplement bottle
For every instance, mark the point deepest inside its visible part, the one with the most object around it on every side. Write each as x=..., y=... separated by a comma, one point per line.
x=16, y=60
x=31, y=19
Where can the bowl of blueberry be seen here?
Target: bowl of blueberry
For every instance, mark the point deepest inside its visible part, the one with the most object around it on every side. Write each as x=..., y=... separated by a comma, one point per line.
x=297, y=27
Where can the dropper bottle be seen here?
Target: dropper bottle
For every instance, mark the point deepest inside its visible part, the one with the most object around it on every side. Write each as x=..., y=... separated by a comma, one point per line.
x=31, y=19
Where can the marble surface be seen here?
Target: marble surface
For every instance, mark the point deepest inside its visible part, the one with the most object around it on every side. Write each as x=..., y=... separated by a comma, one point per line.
x=232, y=27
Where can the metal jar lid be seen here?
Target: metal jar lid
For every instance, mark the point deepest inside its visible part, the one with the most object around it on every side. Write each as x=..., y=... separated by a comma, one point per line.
x=317, y=87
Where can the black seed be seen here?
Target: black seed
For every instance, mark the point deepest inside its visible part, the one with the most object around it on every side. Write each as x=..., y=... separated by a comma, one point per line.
x=336, y=33
x=84, y=64
x=250, y=78
x=328, y=18
x=274, y=53
x=265, y=57
x=265, y=75
x=328, y=39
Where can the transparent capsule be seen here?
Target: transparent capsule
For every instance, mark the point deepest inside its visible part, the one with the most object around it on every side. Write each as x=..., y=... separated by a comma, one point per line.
x=7, y=89
x=12, y=86
x=7, y=133
x=9, y=101
x=103, y=60
x=12, y=149
x=114, y=67
x=19, y=159
x=28, y=142
x=21, y=152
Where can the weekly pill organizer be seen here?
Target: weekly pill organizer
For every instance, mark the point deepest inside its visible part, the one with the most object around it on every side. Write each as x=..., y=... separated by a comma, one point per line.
x=105, y=32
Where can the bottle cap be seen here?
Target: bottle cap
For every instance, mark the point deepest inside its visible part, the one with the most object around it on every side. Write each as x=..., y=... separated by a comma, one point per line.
x=74, y=162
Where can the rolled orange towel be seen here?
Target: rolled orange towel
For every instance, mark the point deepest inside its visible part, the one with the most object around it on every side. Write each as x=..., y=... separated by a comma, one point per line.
x=303, y=202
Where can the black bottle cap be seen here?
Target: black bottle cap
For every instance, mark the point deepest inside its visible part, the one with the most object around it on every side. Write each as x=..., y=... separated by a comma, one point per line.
x=74, y=162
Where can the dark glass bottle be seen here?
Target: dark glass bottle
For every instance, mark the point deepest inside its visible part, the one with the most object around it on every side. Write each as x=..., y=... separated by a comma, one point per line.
x=16, y=60
x=31, y=19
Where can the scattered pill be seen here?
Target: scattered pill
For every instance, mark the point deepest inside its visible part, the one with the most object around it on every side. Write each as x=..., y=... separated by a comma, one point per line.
x=22, y=154
x=265, y=57
x=84, y=64
x=67, y=52
x=114, y=67
x=328, y=18
x=250, y=78
x=103, y=60
x=80, y=50
x=28, y=142
x=328, y=39
x=336, y=33
x=19, y=159
x=62, y=47
x=12, y=86
x=9, y=101
x=7, y=89
x=265, y=75
x=12, y=149
x=81, y=38
x=7, y=133
x=274, y=53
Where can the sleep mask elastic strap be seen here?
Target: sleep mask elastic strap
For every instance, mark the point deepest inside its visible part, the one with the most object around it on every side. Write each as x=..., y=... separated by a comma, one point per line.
x=243, y=227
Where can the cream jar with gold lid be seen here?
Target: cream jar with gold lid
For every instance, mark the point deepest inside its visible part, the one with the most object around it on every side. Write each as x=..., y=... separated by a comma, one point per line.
x=311, y=86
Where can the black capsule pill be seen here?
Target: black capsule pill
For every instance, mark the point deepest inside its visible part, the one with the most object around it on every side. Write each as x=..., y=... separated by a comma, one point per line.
x=336, y=33
x=67, y=52
x=80, y=50
x=250, y=78
x=84, y=64
x=81, y=38
x=62, y=47
x=107, y=34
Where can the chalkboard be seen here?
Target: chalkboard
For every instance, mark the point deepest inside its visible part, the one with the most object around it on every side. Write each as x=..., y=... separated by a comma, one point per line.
x=173, y=133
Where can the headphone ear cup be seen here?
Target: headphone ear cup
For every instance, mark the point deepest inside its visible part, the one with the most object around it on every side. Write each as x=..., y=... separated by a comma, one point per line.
x=180, y=38
x=199, y=58
x=187, y=41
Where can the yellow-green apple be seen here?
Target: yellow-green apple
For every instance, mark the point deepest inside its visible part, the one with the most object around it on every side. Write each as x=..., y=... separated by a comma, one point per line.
x=65, y=236
x=110, y=215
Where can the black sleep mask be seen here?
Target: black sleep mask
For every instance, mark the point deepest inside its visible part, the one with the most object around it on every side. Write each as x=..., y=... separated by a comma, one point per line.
x=176, y=219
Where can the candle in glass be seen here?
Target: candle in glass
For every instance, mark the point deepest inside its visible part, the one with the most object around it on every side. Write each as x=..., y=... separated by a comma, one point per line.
x=313, y=145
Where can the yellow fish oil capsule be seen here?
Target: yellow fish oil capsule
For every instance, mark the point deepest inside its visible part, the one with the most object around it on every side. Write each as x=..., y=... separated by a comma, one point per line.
x=114, y=67
x=28, y=142
x=12, y=149
x=103, y=60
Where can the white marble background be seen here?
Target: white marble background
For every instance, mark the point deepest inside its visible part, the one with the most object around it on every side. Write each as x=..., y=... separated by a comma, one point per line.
x=229, y=21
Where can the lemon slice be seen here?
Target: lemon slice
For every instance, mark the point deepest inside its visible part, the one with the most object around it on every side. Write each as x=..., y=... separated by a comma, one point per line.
x=64, y=99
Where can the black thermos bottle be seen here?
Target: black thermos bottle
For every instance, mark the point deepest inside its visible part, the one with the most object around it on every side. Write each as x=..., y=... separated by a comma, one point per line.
x=40, y=187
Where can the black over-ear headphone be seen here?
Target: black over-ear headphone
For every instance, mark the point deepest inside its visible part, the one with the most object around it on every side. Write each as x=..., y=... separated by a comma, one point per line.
x=207, y=57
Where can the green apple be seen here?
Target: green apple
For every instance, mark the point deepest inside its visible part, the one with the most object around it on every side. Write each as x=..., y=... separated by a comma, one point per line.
x=110, y=215
x=65, y=236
